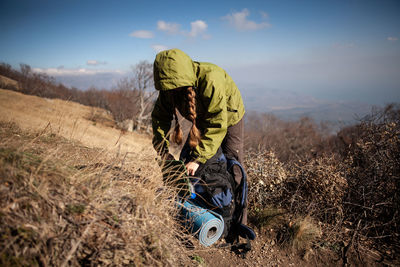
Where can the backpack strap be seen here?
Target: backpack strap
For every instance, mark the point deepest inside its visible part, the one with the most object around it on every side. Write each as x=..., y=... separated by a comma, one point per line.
x=246, y=232
x=243, y=183
x=241, y=229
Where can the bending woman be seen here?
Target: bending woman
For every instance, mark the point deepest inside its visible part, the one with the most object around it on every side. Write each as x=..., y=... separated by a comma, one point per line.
x=205, y=95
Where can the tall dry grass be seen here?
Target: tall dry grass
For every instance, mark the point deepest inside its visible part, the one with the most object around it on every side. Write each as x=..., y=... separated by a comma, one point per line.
x=65, y=204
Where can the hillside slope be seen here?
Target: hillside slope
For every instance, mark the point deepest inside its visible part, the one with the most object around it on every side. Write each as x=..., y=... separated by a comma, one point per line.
x=68, y=119
x=76, y=191
x=6, y=82
x=59, y=153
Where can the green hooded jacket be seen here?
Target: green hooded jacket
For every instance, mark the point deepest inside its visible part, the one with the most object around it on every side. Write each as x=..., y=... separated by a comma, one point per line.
x=218, y=101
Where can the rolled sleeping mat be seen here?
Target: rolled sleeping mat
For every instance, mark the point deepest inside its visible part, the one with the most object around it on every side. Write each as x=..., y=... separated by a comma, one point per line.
x=207, y=225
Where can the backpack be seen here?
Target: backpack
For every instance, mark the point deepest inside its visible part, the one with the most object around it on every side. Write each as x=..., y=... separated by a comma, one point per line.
x=216, y=189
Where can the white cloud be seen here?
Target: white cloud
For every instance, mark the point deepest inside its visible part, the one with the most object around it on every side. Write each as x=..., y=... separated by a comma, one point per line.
x=198, y=27
x=168, y=27
x=159, y=48
x=95, y=63
x=240, y=22
x=142, y=34
x=75, y=72
x=393, y=39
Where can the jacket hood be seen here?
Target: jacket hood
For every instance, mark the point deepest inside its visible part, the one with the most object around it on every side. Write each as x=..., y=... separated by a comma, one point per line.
x=173, y=69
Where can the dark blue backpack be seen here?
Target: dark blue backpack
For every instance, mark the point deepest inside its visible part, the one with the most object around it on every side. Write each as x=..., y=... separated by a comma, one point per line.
x=217, y=190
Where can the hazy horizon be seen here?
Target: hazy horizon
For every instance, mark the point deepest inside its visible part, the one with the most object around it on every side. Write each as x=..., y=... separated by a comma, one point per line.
x=332, y=51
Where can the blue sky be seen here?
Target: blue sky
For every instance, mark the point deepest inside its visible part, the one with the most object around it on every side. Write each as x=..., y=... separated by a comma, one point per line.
x=332, y=50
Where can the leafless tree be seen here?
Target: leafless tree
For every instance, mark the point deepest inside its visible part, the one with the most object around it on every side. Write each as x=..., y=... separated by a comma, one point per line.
x=26, y=73
x=141, y=84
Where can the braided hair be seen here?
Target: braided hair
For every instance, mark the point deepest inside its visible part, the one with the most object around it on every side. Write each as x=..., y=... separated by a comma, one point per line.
x=194, y=134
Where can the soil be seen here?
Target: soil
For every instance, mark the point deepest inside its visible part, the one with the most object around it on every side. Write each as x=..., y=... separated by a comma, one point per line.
x=265, y=252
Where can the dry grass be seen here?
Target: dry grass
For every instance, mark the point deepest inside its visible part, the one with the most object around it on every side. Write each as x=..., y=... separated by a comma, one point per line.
x=74, y=191
x=303, y=233
x=64, y=204
x=7, y=83
x=68, y=119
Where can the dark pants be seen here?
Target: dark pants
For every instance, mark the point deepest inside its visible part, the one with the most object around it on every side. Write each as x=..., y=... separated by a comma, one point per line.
x=232, y=147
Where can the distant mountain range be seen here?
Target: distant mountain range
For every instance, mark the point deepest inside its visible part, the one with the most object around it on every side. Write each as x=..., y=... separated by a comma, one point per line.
x=292, y=106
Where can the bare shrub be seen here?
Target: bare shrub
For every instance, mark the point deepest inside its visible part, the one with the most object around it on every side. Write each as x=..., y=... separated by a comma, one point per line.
x=94, y=98
x=352, y=193
x=316, y=187
x=293, y=201
x=266, y=174
x=122, y=104
x=290, y=140
x=7, y=71
x=373, y=200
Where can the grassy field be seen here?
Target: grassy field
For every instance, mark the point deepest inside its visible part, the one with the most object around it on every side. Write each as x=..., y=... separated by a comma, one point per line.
x=75, y=191
x=92, y=127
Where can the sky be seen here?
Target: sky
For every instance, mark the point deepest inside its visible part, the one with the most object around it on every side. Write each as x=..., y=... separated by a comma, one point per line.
x=329, y=50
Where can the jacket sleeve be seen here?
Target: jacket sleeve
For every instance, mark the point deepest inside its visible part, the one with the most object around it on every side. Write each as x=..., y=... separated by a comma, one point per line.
x=161, y=121
x=215, y=124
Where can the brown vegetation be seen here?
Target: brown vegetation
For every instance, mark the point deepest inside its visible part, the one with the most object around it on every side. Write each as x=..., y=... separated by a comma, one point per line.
x=373, y=161
x=92, y=126
x=307, y=188
x=350, y=188
x=64, y=204
x=290, y=140
x=8, y=83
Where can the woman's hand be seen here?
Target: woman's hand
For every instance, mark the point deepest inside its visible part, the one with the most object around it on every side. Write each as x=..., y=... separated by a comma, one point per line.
x=192, y=167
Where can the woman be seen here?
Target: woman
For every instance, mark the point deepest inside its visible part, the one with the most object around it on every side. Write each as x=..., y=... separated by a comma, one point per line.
x=205, y=95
